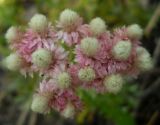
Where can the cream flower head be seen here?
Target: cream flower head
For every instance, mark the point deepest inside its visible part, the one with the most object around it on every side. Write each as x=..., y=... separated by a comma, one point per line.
x=69, y=111
x=134, y=31
x=40, y=104
x=64, y=80
x=13, y=62
x=144, y=60
x=86, y=74
x=122, y=50
x=97, y=26
x=11, y=34
x=38, y=22
x=89, y=46
x=113, y=83
x=41, y=58
x=69, y=19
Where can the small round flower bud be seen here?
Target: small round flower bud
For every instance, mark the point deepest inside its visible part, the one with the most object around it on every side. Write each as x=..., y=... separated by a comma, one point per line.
x=86, y=74
x=68, y=18
x=122, y=50
x=113, y=83
x=144, y=60
x=38, y=22
x=97, y=26
x=11, y=34
x=64, y=80
x=13, y=62
x=89, y=46
x=69, y=111
x=42, y=58
x=134, y=31
x=40, y=104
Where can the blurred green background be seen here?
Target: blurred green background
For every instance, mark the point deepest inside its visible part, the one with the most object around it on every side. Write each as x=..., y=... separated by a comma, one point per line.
x=16, y=91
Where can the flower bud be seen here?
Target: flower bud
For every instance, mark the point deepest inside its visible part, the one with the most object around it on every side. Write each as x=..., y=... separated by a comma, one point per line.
x=13, y=62
x=113, y=83
x=97, y=26
x=144, y=60
x=122, y=50
x=64, y=80
x=11, y=34
x=38, y=22
x=134, y=31
x=89, y=46
x=86, y=74
x=69, y=18
x=42, y=58
x=69, y=111
x=40, y=104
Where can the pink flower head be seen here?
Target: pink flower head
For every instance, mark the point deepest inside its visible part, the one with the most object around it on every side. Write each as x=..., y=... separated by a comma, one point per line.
x=59, y=60
x=33, y=40
x=96, y=84
x=121, y=34
x=62, y=99
x=99, y=61
x=71, y=38
x=59, y=98
x=124, y=66
x=18, y=36
x=71, y=28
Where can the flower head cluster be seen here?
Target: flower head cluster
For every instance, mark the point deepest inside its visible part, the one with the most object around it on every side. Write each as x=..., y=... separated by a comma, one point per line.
x=102, y=58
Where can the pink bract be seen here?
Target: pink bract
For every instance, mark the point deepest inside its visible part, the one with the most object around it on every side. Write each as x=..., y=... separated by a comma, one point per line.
x=59, y=98
x=75, y=36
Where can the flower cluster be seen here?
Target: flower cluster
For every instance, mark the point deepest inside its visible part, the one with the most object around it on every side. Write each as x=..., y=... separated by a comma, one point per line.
x=101, y=58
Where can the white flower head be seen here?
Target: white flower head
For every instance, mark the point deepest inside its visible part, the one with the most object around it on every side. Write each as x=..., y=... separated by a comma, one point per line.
x=13, y=62
x=40, y=104
x=86, y=74
x=68, y=19
x=69, y=111
x=89, y=46
x=122, y=50
x=144, y=60
x=113, y=83
x=42, y=58
x=97, y=26
x=11, y=34
x=134, y=31
x=38, y=22
x=64, y=80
